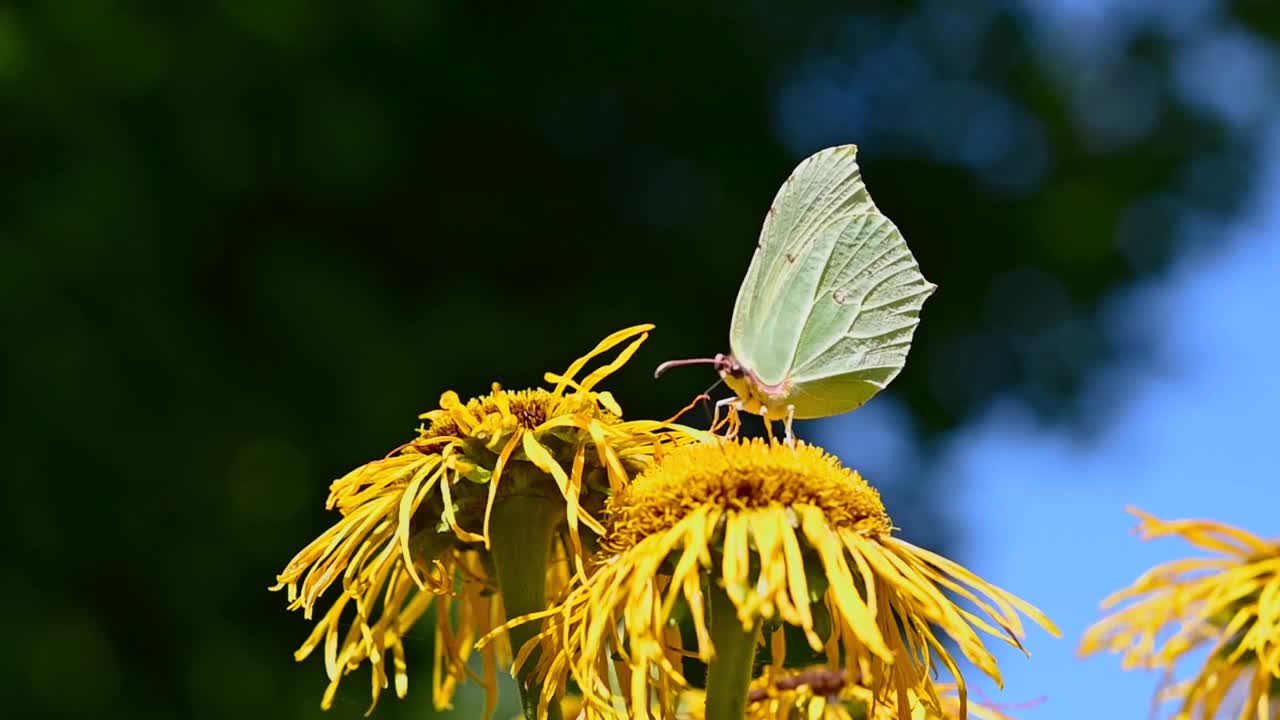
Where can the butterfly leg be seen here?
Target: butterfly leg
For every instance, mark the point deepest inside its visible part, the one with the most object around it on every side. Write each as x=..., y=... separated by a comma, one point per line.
x=715, y=418
x=786, y=425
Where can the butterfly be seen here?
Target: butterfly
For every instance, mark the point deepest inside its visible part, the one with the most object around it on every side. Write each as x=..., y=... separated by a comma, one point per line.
x=826, y=314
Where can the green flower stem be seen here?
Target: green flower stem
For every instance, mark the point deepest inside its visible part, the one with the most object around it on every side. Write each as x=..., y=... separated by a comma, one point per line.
x=521, y=532
x=729, y=672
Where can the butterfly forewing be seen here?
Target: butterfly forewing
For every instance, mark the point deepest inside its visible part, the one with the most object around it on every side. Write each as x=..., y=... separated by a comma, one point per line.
x=833, y=294
x=823, y=189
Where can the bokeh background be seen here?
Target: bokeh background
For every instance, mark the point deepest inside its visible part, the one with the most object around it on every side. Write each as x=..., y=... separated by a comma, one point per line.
x=244, y=243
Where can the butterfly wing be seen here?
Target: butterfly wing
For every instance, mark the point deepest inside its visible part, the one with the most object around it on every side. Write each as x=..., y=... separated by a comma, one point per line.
x=863, y=317
x=823, y=188
x=833, y=295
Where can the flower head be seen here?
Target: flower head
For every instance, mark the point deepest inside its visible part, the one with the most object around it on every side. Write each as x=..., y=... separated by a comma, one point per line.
x=1228, y=603
x=417, y=526
x=791, y=538
x=822, y=693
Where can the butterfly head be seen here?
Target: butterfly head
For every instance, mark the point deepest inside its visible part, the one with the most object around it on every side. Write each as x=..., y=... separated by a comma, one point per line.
x=728, y=366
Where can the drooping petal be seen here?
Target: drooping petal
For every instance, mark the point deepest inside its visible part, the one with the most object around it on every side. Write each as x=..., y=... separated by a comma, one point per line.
x=1227, y=603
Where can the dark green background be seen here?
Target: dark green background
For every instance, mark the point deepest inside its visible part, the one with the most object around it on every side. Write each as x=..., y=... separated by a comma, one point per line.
x=242, y=245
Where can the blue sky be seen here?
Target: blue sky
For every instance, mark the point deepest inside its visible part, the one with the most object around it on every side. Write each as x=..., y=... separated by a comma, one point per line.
x=1188, y=433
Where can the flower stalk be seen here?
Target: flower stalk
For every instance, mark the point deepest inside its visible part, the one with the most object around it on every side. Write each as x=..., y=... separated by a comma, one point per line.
x=729, y=672
x=523, y=528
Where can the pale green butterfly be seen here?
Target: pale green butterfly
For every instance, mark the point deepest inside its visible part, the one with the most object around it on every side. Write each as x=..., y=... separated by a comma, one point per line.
x=825, y=316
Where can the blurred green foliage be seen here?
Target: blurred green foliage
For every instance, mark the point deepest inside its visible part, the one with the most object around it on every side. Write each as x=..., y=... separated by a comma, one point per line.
x=243, y=244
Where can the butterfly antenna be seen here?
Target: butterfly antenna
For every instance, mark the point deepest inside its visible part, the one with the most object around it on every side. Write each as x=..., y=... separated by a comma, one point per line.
x=690, y=361
x=706, y=400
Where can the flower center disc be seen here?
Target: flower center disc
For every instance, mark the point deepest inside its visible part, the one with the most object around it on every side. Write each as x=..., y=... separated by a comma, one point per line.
x=742, y=476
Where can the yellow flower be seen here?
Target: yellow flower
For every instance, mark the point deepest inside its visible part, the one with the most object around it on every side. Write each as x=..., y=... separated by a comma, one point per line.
x=825, y=694
x=1228, y=603
x=778, y=535
x=423, y=523
x=809, y=694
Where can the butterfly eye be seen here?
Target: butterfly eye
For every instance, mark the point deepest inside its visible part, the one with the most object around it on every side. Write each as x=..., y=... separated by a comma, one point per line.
x=724, y=364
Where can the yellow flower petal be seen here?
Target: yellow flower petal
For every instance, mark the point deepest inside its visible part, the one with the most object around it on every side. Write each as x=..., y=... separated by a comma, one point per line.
x=759, y=519
x=392, y=563
x=1228, y=603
